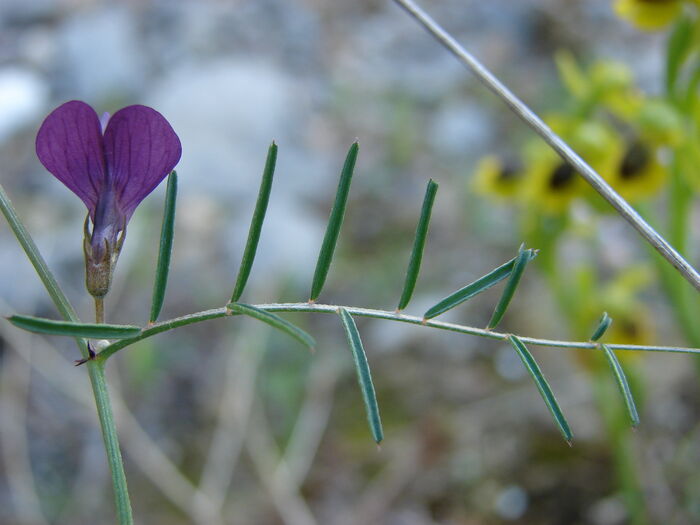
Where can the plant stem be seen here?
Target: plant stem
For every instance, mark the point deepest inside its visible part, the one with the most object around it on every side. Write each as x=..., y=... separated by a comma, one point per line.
x=109, y=429
x=99, y=310
x=109, y=435
x=95, y=368
x=680, y=210
x=681, y=298
x=217, y=313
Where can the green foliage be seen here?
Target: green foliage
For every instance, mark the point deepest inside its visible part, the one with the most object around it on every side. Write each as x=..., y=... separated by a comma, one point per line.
x=69, y=328
x=335, y=221
x=542, y=385
x=483, y=283
x=364, y=377
x=256, y=223
x=275, y=321
x=166, y=248
x=622, y=384
x=418, y=245
x=679, y=46
x=516, y=274
x=602, y=327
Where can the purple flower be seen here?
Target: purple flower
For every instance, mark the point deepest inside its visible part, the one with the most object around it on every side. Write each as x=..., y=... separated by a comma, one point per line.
x=112, y=165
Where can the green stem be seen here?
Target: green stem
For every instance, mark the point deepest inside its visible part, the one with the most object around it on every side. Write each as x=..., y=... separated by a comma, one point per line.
x=99, y=310
x=683, y=298
x=217, y=313
x=681, y=198
x=96, y=371
x=95, y=368
x=680, y=295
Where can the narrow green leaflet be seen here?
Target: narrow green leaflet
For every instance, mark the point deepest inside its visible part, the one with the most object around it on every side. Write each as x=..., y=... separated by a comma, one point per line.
x=166, y=247
x=256, y=223
x=335, y=221
x=513, y=280
x=85, y=330
x=603, y=325
x=418, y=245
x=622, y=384
x=475, y=288
x=275, y=321
x=363, y=375
x=542, y=385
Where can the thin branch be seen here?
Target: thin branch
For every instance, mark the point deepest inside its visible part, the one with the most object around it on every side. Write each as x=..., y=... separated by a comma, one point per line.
x=403, y=467
x=562, y=148
x=272, y=470
x=15, y=388
x=311, y=421
x=228, y=437
x=217, y=313
x=157, y=466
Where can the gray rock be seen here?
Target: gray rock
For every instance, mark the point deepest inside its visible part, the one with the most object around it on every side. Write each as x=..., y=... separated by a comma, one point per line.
x=23, y=96
x=101, y=54
x=226, y=114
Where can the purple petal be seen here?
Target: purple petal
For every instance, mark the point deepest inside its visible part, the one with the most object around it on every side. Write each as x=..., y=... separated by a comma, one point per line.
x=69, y=145
x=140, y=150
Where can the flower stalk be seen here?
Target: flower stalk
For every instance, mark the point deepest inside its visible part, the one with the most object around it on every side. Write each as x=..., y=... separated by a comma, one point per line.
x=99, y=310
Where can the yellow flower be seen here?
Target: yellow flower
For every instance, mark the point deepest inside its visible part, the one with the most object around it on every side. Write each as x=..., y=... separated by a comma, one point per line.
x=497, y=178
x=621, y=298
x=660, y=123
x=575, y=80
x=604, y=82
x=649, y=14
x=632, y=322
x=631, y=327
x=550, y=183
x=597, y=143
x=616, y=88
x=638, y=174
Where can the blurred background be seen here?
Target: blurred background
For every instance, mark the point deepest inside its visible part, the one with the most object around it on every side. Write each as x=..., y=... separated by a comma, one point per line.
x=226, y=422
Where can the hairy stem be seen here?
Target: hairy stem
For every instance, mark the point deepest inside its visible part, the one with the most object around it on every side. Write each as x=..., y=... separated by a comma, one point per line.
x=217, y=313
x=99, y=310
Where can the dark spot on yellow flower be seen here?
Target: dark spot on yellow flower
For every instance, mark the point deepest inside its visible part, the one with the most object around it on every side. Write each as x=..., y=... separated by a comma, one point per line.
x=511, y=170
x=562, y=176
x=629, y=328
x=636, y=159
